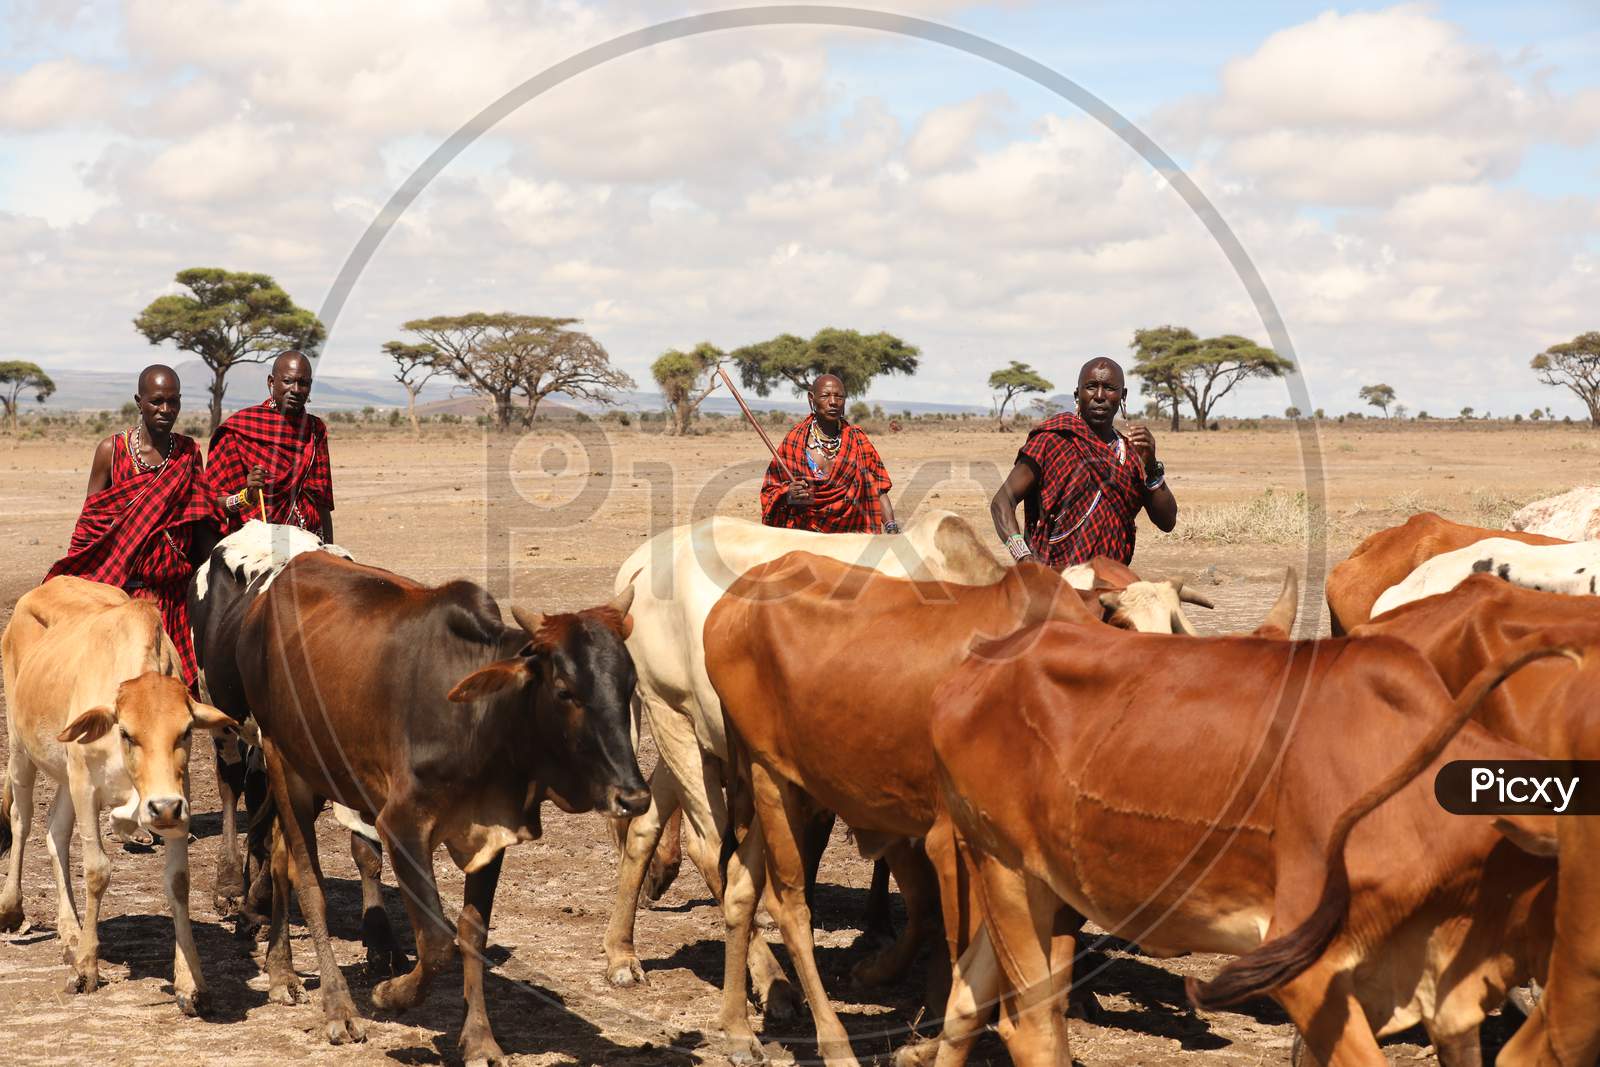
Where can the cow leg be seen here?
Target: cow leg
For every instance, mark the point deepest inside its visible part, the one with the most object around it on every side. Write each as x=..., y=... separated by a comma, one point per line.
x=17, y=810
x=1019, y=912
x=260, y=819
x=782, y=811
x=877, y=923
x=59, y=845
x=667, y=859
x=297, y=817
x=818, y=832
x=915, y=876
x=407, y=834
x=638, y=846
x=1323, y=1007
x=975, y=986
x=283, y=985
x=96, y=877
x=1458, y=1050
x=477, y=1044
x=188, y=984
x=383, y=955
x=227, y=892
x=746, y=876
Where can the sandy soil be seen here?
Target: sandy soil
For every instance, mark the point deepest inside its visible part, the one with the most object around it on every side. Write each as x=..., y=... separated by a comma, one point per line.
x=545, y=519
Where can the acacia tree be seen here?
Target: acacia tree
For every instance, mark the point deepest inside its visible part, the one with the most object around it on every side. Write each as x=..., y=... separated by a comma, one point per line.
x=686, y=379
x=1574, y=364
x=1015, y=380
x=1206, y=371
x=855, y=357
x=1379, y=396
x=18, y=377
x=414, y=364
x=230, y=318
x=504, y=354
x=1155, y=349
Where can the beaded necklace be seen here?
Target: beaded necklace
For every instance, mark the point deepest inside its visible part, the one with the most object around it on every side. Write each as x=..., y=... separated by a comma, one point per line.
x=134, y=441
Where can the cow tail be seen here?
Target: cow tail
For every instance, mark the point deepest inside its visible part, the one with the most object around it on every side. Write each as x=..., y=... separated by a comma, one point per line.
x=5, y=815
x=1281, y=961
x=741, y=806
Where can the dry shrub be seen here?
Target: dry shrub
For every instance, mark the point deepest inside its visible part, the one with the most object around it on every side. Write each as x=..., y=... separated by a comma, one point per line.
x=1273, y=518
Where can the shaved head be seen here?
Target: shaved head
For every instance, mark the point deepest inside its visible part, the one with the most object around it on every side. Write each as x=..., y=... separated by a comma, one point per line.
x=295, y=359
x=154, y=375
x=830, y=379
x=289, y=382
x=1097, y=363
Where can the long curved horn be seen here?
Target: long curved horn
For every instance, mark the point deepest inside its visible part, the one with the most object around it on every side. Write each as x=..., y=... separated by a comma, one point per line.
x=1184, y=625
x=1189, y=596
x=528, y=620
x=1281, y=617
x=622, y=601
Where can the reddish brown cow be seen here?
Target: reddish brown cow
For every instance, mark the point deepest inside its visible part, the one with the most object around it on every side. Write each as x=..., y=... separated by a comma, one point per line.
x=1070, y=784
x=1552, y=710
x=1386, y=557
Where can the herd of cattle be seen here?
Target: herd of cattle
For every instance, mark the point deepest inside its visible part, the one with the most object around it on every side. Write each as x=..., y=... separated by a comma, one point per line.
x=1025, y=751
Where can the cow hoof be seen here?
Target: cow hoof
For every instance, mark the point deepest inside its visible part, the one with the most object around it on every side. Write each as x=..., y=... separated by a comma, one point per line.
x=1525, y=998
x=629, y=972
x=394, y=994
x=745, y=1050
x=657, y=882
x=387, y=962
x=485, y=1052
x=345, y=1032
x=191, y=1003
x=783, y=1002
x=227, y=904
x=11, y=920
x=878, y=969
x=83, y=981
x=916, y=1054
x=287, y=993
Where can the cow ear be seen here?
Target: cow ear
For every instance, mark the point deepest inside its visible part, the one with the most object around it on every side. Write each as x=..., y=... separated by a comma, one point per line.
x=1533, y=834
x=490, y=680
x=89, y=727
x=1111, y=601
x=209, y=718
x=627, y=626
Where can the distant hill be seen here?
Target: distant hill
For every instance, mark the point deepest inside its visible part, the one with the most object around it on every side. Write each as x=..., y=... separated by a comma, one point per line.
x=93, y=390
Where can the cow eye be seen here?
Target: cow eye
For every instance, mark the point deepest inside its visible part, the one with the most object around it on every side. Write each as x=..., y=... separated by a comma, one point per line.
x=127, y=738
x=563, y=693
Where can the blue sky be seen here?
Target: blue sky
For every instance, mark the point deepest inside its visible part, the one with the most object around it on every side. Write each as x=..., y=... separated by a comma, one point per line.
x=1415, y=182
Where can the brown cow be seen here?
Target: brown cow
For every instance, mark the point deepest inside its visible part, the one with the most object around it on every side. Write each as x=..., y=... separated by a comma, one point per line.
x=435, y=721
x=809, y=739
x=1071, y=782
x=1386, y=557
x=97, y=702
x=1551, y=710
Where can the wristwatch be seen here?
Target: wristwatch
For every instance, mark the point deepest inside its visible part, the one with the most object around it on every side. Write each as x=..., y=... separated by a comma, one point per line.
x=1153, y=481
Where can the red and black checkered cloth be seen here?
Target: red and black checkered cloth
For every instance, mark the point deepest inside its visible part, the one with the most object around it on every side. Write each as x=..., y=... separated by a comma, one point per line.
x=294, y=453
x=137, y=531
x=1085, y=499
x=846, y=501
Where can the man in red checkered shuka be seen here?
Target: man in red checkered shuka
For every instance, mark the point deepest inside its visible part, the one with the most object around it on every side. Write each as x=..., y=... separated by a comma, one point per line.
x=147, y=520
x=1082, y=483
x=275, y=449
x=831, y=479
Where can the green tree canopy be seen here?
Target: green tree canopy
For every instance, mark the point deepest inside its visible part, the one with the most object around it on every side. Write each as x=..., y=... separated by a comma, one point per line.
x=1173, y=363
x=1379, y=396
x=1015, y=380
x=1153, y=350
x=686, y=379
x=502, y=355
x=855, y=357
x=414, y=365
x=1574, y=364
x=18, y=377
x=228, y=318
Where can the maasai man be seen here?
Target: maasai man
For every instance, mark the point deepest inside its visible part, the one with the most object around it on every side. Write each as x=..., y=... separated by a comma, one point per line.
x=831, y=479
x=1081, y=482
x=148, y=517
x=277, y=448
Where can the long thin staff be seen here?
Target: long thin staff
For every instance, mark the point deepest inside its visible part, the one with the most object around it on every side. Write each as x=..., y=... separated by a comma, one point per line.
x=751, y=416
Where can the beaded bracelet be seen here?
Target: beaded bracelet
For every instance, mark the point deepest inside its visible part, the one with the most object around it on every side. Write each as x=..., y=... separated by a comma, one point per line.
x=1017, y=545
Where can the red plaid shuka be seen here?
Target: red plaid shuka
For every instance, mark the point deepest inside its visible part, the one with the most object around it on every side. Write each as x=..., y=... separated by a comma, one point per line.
x=846, y=501
x=295, y=455
x=1087, y=493
x=136, y=532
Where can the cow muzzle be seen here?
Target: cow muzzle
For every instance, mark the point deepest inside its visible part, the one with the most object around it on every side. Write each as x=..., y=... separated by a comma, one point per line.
x=626, y=803
x=167, y=815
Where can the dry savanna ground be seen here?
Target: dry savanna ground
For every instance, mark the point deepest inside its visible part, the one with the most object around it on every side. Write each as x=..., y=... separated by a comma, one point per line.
x=546, y=519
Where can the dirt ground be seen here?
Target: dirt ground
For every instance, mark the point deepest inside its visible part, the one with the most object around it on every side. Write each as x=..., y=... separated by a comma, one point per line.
x=545, y=520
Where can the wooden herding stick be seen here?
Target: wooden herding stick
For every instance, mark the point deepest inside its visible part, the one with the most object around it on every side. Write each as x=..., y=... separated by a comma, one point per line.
x=748, y=414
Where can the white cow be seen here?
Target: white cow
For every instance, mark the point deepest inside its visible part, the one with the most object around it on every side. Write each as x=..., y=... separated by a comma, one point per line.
x=1572, y=569
x=97, y=702
x=678, y=576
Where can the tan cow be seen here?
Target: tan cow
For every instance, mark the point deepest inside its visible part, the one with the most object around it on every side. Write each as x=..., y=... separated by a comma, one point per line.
x=97, y=702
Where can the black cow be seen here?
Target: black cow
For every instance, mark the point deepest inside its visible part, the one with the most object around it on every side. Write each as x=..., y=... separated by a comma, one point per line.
x=418, y=707
x=220, y=593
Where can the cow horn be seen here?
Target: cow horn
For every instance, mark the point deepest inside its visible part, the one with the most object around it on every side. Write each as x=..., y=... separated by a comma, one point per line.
x=1189, y=596
x=1281, y=617
x=528, y=620
x=1184, y=625
x=623, y=600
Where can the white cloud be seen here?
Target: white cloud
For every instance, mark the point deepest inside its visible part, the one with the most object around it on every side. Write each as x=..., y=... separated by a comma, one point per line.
x=54, y=93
